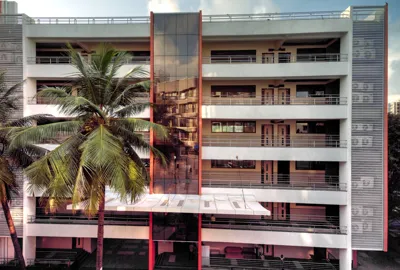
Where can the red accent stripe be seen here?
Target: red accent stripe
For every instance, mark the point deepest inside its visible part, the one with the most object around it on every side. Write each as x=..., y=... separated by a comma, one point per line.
x=385, y=140
x=200, y=132
x=199, y=253
x=151, y=243
x=151, y=98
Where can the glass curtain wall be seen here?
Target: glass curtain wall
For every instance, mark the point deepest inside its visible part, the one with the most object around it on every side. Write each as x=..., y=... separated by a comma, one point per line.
x=176, y=53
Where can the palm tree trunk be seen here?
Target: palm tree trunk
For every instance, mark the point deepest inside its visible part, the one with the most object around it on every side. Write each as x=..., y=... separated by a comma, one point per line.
x=13, y=233
x=100, y=232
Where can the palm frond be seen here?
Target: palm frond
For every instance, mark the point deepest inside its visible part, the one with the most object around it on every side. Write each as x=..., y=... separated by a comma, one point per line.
x=131, y=110
x=77, y=105
x=28, y=120
x=138, y=125
x=7, y=179
x=21, y=137
x=55, y=172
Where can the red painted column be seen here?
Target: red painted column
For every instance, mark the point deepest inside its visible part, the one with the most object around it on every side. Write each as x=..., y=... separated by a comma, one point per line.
x=355, y=259
x=151, y=243
x=385, y=140
x=200, y=134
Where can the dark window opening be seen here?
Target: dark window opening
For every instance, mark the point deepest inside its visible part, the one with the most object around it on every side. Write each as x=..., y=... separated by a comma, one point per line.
x=233, y=56
x=310, y=165
x=233, y=91
x=233, y=164
x=310, y=127
x=233, y=127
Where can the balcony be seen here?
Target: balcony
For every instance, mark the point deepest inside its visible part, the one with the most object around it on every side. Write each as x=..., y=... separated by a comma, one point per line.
x=315, y=188
x=252, y=180
x=275, y=107
x=45, y=105
x=294, y=66
x=296, y=230
x=218, y=263
x=304, y=148
x=69, y=225
x=60, y=67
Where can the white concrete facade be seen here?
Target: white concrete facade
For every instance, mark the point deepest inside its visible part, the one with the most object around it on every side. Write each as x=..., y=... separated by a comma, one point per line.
x=216, y=31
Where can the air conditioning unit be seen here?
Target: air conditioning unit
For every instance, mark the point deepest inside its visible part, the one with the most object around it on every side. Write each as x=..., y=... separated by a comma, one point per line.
x=367, y=226
x=367, y=212
x=358, y=42
x=367, y=181
x=357, y=211
x=357, y=184
x=362, y=86
x=357, y=227
x=362, y=127
x=361, y=141
x=361, y=53
x=368, y=43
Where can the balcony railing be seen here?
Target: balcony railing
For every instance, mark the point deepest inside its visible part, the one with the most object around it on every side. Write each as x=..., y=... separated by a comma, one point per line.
x=54, y=60
x=37, y=100
x=253, y=180
x=221, y=263
x=87, y=20
x=331, y=141
x=275, y=100
x=84, y=220
x=277, y=16
x=253, y=59
x=289, y=223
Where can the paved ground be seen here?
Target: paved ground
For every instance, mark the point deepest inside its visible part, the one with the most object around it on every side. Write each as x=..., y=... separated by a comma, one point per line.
x=372, y=260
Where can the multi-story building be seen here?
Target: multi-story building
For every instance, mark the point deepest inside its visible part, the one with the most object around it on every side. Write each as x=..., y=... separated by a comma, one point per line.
x=279, y=139
x=394, y=107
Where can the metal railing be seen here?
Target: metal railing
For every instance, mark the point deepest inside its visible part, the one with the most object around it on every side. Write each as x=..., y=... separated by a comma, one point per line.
x=243, y=179
x=253, y=59
x=294, y=223
x=331, y=141
x=221, y=263
x=37, y=100
x=87, y=20
x=277, y=16
x=54, y=60
x=276, y=100
x=78, y=219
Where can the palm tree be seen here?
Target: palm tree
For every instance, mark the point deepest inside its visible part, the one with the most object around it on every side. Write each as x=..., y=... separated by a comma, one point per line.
x=102, y=139
x=10, y=160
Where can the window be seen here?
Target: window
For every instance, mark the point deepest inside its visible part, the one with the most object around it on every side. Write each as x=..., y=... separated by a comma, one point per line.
x=245, y=91
x=233, y=127
x=310, y=165
x=311, y=127
x=233, y=164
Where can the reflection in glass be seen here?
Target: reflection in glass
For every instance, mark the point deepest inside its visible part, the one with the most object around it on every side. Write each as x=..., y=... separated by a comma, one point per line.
x=176, y=46
x=175, y=227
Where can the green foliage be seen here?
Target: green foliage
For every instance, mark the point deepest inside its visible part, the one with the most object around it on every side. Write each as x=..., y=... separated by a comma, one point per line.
x=102, y=138
x=394, y=166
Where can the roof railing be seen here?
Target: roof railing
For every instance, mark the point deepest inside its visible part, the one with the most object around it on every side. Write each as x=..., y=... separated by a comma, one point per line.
x=277, y=16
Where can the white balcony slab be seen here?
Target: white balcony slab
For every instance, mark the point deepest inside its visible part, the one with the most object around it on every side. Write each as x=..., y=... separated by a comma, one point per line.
x=86, y=231
x=284, y=195
x=88, y=30
x=32, y=109
x=271, y=71
x=253, y=112
x=305, y=28
x=299, y=239
x=49, y=71
x=274, y=153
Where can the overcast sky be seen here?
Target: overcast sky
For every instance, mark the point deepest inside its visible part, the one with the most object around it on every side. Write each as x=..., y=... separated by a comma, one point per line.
x=98, y=8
